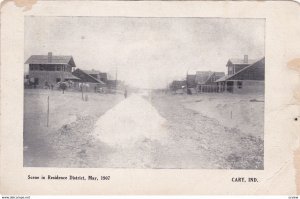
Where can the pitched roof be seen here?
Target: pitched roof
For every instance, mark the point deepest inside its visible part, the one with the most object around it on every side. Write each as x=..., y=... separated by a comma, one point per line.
x=95, y=79
x=226, y=77
x=91, y=72
x=241, y=61
x=219, y=74
x=191, y=77
x=203, y=76
x=223, y=78
x=70, y=76
x=44, y=59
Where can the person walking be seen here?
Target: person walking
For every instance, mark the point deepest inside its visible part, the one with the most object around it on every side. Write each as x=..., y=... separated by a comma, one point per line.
x=125, y=93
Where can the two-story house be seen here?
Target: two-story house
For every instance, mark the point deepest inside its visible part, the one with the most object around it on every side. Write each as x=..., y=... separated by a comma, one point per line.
x=46, y=70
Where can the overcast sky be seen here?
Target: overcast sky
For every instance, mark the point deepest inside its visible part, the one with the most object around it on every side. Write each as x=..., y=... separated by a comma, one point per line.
x=148, y=52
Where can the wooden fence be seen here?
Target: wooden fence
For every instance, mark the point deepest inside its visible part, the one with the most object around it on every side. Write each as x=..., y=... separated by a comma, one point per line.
x=208, y=89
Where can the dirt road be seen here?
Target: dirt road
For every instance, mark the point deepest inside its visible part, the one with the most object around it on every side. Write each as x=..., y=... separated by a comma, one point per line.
x=156, y=131
x=132, y=120
x=159, y=132
x=134, y=130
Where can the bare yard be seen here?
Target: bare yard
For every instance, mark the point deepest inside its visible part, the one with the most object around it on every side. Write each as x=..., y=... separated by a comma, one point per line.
x=208, y=131
x=70, y=121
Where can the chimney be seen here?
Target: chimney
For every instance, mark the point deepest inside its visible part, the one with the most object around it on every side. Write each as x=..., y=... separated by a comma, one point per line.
x=50, y=57
x=245, y=58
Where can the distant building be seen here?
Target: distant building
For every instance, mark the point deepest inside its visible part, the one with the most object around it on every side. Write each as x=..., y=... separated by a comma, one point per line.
x=93, y=73
x=205, y=80
x=235, y=65
x=97, y=74
x=243, y=77
x=178, y=86
x=103, y=77
x=191, y=81
x=86, y=76
x=46, y=70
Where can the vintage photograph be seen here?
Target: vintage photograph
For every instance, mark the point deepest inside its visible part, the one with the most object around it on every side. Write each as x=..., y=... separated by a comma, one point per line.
x=144, y=92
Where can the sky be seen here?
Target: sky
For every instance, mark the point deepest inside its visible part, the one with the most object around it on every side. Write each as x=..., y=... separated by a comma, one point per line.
x=146, y=52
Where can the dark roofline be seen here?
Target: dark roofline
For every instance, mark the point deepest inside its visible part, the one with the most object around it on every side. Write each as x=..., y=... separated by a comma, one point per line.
x=240, y=70
x=99, y=81
x=69, y=61
x=242, y=63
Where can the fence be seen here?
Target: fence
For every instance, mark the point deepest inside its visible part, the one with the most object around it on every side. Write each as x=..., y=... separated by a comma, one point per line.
x=208, y=89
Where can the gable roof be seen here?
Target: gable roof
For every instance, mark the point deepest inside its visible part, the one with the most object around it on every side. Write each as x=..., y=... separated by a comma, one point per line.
x=89, y=76
x=191, y=78
x=91, y=72
x=44, y=59
x=70, y=76
x=219, y=74
x=240, y=61
x=203, y=76
x=227, y=77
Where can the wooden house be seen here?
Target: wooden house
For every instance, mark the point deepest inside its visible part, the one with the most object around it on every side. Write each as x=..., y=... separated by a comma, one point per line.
x=205, y=81
x=90, y=78
x=191, y=81
x=178, y=86
x=235, y=65
x=250, y=78
x=46, y=70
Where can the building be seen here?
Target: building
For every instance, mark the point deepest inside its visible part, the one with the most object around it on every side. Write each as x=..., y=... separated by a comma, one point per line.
x=243, y=78
x=103, y=77
x=235, y=65
x=47, y=70
x=178, y=86
x=90, y=78
x=191, y=81
x=97, y=74
x=205, y=81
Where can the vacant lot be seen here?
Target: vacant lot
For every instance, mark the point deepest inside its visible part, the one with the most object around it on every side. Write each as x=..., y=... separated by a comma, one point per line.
x=213, y=130
x=67, y=138
x=207, y=131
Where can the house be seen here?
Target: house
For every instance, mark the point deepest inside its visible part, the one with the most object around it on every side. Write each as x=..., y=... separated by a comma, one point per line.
x=178, y=86
x=97, y=74
x=93, y=73
x=235, y=65
x=205, y=81
x=90, y=78
x=46, y=70
x=191, y=81
x=249, y=78
x=103, y=77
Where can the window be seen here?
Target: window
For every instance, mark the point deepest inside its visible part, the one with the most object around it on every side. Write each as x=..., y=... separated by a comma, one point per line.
x=230, y=70
x=240, y=84
x=36, y=67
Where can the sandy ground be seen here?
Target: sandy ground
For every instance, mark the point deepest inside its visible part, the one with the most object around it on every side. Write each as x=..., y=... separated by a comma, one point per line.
x=154, y=131
x=70, y=123
x=205, y=135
